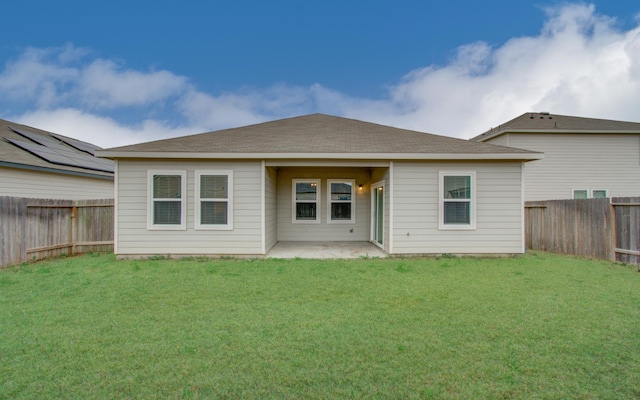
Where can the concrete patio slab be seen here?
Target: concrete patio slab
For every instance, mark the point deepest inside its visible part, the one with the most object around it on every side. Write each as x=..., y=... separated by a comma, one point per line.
x=325, y=250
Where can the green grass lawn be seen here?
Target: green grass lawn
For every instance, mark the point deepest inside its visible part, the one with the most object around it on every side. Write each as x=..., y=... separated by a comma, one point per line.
x=538, y=326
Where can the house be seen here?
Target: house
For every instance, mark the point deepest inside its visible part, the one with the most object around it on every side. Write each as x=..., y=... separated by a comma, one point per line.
x=317, y=178
x=40, y=164
x=583, y=157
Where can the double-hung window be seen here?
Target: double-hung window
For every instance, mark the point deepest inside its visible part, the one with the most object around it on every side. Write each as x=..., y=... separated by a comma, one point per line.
x=214, y=206
x=306, y=201
x=166, y=200
x=457, y=200
x=341, y=208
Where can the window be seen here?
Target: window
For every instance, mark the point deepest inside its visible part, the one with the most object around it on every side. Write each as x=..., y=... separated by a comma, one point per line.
x=580, y=193
x=214, y=206
x=166, y=193
x=341, y=207
x=590, y=194
x=306, y=201
x=457, y=200
x=599, y=193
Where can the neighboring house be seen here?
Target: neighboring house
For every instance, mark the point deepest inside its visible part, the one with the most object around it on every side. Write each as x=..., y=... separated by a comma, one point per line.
x=317, y=178
x=39, y=164
x=583, y=157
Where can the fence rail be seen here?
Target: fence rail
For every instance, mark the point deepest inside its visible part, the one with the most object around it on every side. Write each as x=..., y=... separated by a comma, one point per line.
x=600, y=228
x=33, y=229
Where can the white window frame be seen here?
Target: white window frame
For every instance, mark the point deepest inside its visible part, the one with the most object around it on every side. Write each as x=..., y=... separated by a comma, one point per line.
x=151, y=200
x=229, y=200
x=472, y=206
x=294, y=201
x=574, y=190
x=589, y=192
x=606, y=192
x=330, y=201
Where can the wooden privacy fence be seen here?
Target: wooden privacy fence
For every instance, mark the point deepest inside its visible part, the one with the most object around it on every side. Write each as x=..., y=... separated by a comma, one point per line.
x=33, y=229
x=600, y=228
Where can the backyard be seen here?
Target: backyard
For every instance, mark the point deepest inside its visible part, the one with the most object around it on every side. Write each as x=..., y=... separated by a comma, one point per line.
x=536, y=326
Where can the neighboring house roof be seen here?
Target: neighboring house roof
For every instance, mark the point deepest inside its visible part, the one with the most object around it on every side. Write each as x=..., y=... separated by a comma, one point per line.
x=544, y=122
x=317, y=136
x=24, y=147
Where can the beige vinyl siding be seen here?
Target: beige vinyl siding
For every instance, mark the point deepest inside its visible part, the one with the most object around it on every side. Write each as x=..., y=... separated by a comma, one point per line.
x=45, y=185
x=135, y=239
x=502, y=140
x=580, y=161
x=498, y=209
x=271, y=208
x=323, y=231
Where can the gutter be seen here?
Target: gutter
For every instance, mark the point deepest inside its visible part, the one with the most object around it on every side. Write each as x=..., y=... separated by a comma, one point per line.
x=528, y=156
x=54, y=170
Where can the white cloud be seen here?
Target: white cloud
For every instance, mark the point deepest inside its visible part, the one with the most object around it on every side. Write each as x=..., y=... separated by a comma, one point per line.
x=35, y=77
x=102, y=131
x=580, y=63
x=104, y=84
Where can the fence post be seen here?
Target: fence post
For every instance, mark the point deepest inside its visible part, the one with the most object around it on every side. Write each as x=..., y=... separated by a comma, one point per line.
x=613, y=235
x=74, y=228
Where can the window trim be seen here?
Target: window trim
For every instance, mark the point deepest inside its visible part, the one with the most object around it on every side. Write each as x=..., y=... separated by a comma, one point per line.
x=352, y=182
x=589, y=193
x=472, y=201
x=183, y=200
x=606, y=193
x=294, y=201
x=198, y=200
x=574, y=190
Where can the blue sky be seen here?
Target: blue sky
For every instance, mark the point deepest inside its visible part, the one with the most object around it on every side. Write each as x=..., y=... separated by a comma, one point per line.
x=117, y=72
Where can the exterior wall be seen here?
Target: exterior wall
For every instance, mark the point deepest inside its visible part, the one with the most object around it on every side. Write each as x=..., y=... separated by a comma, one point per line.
x=502, y=140
x=411, y=209
x=579, y=161
x=271, y=208
x=44, y=185
x=323, y=231
x=133, y=237
x=499, y=209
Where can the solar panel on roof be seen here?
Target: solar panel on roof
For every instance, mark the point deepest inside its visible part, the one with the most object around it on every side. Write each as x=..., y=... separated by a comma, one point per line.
x=74, y=157
x=78, y=144
x=38, y=138
x=60, y=155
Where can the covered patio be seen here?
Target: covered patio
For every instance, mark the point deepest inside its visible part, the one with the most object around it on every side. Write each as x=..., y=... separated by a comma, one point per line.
x=326, y=250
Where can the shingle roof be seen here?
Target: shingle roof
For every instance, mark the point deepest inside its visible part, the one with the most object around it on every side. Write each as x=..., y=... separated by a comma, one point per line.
x=309, y=135
x=548, y=123
x=19, y=151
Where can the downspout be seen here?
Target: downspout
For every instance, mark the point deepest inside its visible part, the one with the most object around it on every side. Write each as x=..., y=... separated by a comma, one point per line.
x=263, y=189
x=116, y=209
x=390, y=207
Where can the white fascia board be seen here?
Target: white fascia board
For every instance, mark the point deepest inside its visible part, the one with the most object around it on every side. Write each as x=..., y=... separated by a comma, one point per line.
x=325, y=156
x=554, y=130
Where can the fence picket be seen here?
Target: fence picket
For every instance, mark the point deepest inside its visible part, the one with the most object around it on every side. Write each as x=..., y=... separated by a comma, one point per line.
x=32, y=229
x=598, y=228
